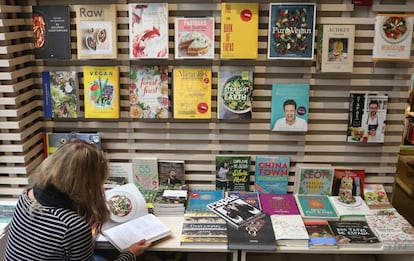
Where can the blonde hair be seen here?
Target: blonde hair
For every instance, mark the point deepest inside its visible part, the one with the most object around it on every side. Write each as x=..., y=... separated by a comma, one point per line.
x=79, y=170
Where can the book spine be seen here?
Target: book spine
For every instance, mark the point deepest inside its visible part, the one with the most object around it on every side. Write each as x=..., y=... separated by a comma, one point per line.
x=47, y=99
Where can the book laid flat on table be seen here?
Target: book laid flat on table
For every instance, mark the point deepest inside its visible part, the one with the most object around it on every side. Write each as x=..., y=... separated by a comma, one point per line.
x=198, y=199
x=316, y=207
x=356, y=210
x=290, y=231
x=320, y=234
x=279, y=204
x=271, y=174
x=235, y=211
x=313, y=179
x=130, y=221
x=354, y=234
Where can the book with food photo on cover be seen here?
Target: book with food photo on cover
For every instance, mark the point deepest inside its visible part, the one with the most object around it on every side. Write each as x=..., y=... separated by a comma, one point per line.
x=354, y=234
x=321, y=235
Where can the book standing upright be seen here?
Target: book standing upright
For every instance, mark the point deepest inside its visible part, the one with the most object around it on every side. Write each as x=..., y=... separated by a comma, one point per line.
x=271, y=174
x=233, y=172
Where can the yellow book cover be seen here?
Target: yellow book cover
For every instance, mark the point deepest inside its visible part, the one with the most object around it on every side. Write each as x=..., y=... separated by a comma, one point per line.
x=192, y=93
x=96, y=31
x=239, y=30
x=101, y=91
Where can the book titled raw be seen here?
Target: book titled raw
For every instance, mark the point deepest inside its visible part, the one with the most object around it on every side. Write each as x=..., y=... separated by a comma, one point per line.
x=279, y=204
x=367, y=117
x=290, y=231
x=171, y=173
x=354, y=234
x=291, y=31
x=192, y=93
x=96, y=31
x=60, y=94
x=198, y=199
x=145, y=173
x=315, y=207
x=290, y=107
x=393, y=36
x=237, y=21
x=233, y=172
x=148, y=30
x=235, y=92
x=271, y=174
x=320, y=234
x=348, y=183
x=101, y=91
x=148, y=92
x=335, y=48
x=235, y=211
x=194, y=37
x=51, y=31
x=313, y=179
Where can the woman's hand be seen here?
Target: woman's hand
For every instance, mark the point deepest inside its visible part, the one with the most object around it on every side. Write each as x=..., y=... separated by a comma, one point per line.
x=139, y=247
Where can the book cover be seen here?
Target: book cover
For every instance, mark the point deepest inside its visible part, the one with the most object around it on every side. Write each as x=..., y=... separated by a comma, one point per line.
x=192, y=93
x=194, y=37
x=313, y=179
x=145, y=173
x=198, y=199
x=233, y=172
x=367, y=117
x=355, y=210
x=354, y=234
x=51, y=31
x=148, y=30
x=120, y=173
x=321, y=235
x=393, y=36
x=251, y=197
x=101, y=91
x=376, y=197
x=60, y=94
x=315, y=207
x=237, y=21
x=348, y=183
x=235, y=211
x=278, y=204
x=335, y=48
x=53, y=140
x=290, y=107
x=290, y=230
x=291, y=31
x=255, y=235
x=96, y=31
x=6, y=213
x=205, y=228
x=148, y=92
x=235, y=92
x=171, y=173
x=271, y=174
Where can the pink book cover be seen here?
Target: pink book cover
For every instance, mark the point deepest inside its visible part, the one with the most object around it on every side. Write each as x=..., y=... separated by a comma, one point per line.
x=279, y=204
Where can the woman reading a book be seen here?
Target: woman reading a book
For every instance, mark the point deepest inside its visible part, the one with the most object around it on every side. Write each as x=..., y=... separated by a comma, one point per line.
x=55, y=215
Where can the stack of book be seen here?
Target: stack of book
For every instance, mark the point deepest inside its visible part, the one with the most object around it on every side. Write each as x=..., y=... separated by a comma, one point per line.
x=170, y=203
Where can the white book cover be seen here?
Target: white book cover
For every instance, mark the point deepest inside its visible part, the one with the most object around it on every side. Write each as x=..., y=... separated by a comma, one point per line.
x=356, y=210
x=289, y=230
x=313, y=179
x=119, y=173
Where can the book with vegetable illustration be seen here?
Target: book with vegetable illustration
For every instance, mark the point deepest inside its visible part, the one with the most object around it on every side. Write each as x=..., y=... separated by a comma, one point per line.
x=101, y=91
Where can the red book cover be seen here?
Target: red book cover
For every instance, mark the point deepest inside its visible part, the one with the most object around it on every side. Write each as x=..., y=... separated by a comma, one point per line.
x=278, y=204
x=348, y=183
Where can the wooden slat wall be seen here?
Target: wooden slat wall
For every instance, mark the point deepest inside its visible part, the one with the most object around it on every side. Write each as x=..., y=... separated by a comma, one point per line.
x=199, y=141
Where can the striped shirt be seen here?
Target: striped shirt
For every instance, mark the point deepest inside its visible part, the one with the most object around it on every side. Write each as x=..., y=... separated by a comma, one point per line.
x=50, y=233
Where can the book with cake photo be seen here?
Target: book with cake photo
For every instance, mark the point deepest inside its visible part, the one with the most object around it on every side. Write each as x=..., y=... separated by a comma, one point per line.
x=194, y=37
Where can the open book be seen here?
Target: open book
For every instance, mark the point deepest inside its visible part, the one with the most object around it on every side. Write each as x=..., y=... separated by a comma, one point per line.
x=130, y=220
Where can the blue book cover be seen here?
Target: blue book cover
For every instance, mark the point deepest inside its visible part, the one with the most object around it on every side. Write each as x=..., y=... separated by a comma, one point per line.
x=291, y=31
x=47, y=99
x=198, y=199
x=271, y=174
x=290, y=107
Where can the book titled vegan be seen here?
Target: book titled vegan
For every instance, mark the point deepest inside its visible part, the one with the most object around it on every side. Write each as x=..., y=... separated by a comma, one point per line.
x=291, y=31
x=96, y=31
x=148, y=30
x=101, y=91
x=233, y=172
x=148, y=92
x=60, y=94
x=192, y=93
x=237, y=21
x=51, y=31
x=271, y=174
x=290, y=107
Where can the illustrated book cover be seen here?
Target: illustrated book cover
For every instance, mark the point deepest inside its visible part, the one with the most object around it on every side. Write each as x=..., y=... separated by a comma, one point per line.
x=237, y=21
x=335, y=48
x=320, y=234
x=367, y=117
x=251, y=197
x=148, y=30
x=192, y=93
x=255, y=235
x=291, y=31
x=53, y=140
x=205, y=228
x=235, y=92
x=101, y=91
x=51, y=31
x=60, y=94
x=194, y=37
x=148, y=92
x=315, y=207
x=171, y=174
x=393, y=36
x=120, y=173
x=290, y=230
x=271, y=174
x=376, y=197
x=290, y=107
x=355, y=210
x=279, y=204
x=96, y=31
x=235, y=211
x=145, y=173
x=129, y=218
x=198, y=199
x=354, y=234
x=313, y=179
x=233, y=172
x=348, y=183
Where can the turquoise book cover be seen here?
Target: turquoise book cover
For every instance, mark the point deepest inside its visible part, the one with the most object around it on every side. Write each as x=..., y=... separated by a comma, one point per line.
x=316, y=207
x=198, y=199
x=271, y=174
